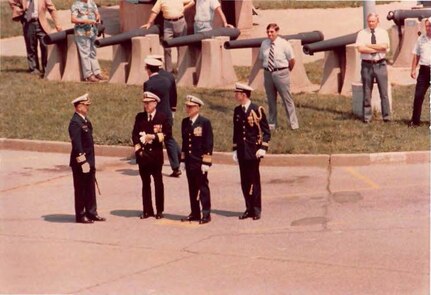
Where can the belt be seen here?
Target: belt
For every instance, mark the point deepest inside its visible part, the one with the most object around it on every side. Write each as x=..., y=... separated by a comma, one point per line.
x=276, y=69
x=33, y=20
x=373, y=61
x=174, y=19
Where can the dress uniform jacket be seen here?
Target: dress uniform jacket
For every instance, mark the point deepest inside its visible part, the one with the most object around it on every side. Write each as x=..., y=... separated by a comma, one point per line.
x=149, y=157
x=197, y=144
x=81, y=135
x=158, y=126
x=249, y=136
x=196, y=150
x=160, y=86
x=250, y=133
x=172, y=89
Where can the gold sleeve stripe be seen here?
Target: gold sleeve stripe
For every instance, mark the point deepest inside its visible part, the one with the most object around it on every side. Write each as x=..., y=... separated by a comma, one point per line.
x=161, y=137
x=207, y=159
x=137, y=147
x=81, y=158
x=265, y=144
x=183, y=156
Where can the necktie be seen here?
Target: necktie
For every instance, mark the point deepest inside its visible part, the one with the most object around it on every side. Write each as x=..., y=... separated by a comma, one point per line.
x=271, y=58
x=150, y=118
x=29, y=11
x=373, y=39
x=243, y=109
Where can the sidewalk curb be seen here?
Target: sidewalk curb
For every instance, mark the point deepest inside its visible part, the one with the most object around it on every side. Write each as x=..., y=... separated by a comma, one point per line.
x=319, y=160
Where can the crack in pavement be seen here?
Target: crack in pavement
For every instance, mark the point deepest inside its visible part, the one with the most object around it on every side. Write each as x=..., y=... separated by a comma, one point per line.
x=34, y=183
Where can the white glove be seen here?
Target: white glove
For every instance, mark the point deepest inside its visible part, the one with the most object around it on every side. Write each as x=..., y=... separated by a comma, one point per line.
x=183, y=166
x=205, y=168
x=142, y=138
x=149, y=138
x=85, y=167
x=260, y=153
x=235, y=156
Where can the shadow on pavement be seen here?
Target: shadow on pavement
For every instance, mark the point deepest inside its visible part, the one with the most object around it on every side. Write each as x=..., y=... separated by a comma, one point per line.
x=59, y=218
x=226, y=213
x=126, y=213
x=130, y=172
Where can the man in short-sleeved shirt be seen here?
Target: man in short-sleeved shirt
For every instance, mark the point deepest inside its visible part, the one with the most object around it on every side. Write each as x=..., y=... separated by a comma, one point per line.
x=373, y=44
x=205, y=14
x=422, y=56
x=174, y=24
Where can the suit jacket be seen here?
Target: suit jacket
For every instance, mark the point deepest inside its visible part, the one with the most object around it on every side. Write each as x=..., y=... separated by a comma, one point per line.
x=172, y=88
x=20, y=6
x=160, y=128
x=160, y=86
x=249, y=133
x=197, y=147
x=81, y=135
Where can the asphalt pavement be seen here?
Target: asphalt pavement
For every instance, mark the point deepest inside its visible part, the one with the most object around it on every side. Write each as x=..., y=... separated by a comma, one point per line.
x=324, y=230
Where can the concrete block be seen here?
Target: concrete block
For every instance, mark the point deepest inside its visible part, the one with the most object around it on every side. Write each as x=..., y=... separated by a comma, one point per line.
x=331, y=77
x=55, y=64
x=358, y=98
x=72, y=67
x=255, y=79
x=298, y=79
x=352, y=71
x=189, y=61
x=404, y=57
x=140, y=49
x=120, y=63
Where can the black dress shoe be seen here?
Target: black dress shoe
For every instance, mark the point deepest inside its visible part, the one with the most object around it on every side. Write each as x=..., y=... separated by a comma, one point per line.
x=256, y=217
x=190, y=218
x=84, y=220
x=159, y=216
x=145, y=215
x=413, y=124
x=205, y=219
x=97, y=218
x=245, y=215
x=175, y=173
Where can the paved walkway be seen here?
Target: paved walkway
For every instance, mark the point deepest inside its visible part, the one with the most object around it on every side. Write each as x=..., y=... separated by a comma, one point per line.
x=344, y=230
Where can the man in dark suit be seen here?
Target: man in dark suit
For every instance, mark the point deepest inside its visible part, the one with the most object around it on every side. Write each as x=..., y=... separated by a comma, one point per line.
x=150, y=129
x=196, y=154
x=251, y=136
x=35, y=25
x=163, y=88
x=82, y=161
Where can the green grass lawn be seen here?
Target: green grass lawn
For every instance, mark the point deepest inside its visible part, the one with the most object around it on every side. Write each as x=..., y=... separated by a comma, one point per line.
x=34, y=108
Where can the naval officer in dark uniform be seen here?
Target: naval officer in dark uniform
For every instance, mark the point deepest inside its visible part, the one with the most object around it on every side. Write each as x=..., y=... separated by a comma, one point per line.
x=82, y=162
x=196, y=155
x=150, y=129
x=251, y=136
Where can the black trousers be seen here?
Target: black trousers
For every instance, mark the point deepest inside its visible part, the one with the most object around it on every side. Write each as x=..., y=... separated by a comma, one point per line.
x=33, y=34
x=250, y=185
x=198, y=190
x=85, y=193
x=422, y=85
x=147, y=170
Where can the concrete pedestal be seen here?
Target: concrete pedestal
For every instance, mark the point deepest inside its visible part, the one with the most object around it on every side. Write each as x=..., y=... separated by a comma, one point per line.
x=332, y=71
x=404, y=57
x=352, y=72
x=120, y=63
x=189, y=60
x=55, y=64
x=358, y=98
x=72, y=67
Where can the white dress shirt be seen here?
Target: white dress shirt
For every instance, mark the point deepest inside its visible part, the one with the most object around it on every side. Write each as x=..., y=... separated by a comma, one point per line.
x=364, y=38
x=283, y=52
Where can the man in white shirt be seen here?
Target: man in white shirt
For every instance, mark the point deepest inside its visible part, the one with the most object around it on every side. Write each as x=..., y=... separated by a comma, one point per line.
x=205, y=14
x=373, y=44
x=422, y=56
x=278, y=60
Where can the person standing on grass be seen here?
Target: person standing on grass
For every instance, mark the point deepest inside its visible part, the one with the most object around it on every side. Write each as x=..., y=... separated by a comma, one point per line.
x=83, y=163
x=85, y=16
x=422, y=56
x=32, y=15
x=251, y=137
x=150, y=130
x=196, y=156
x=205, y=14
x=278, y=61
x=172, y=148
x=373, y=44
